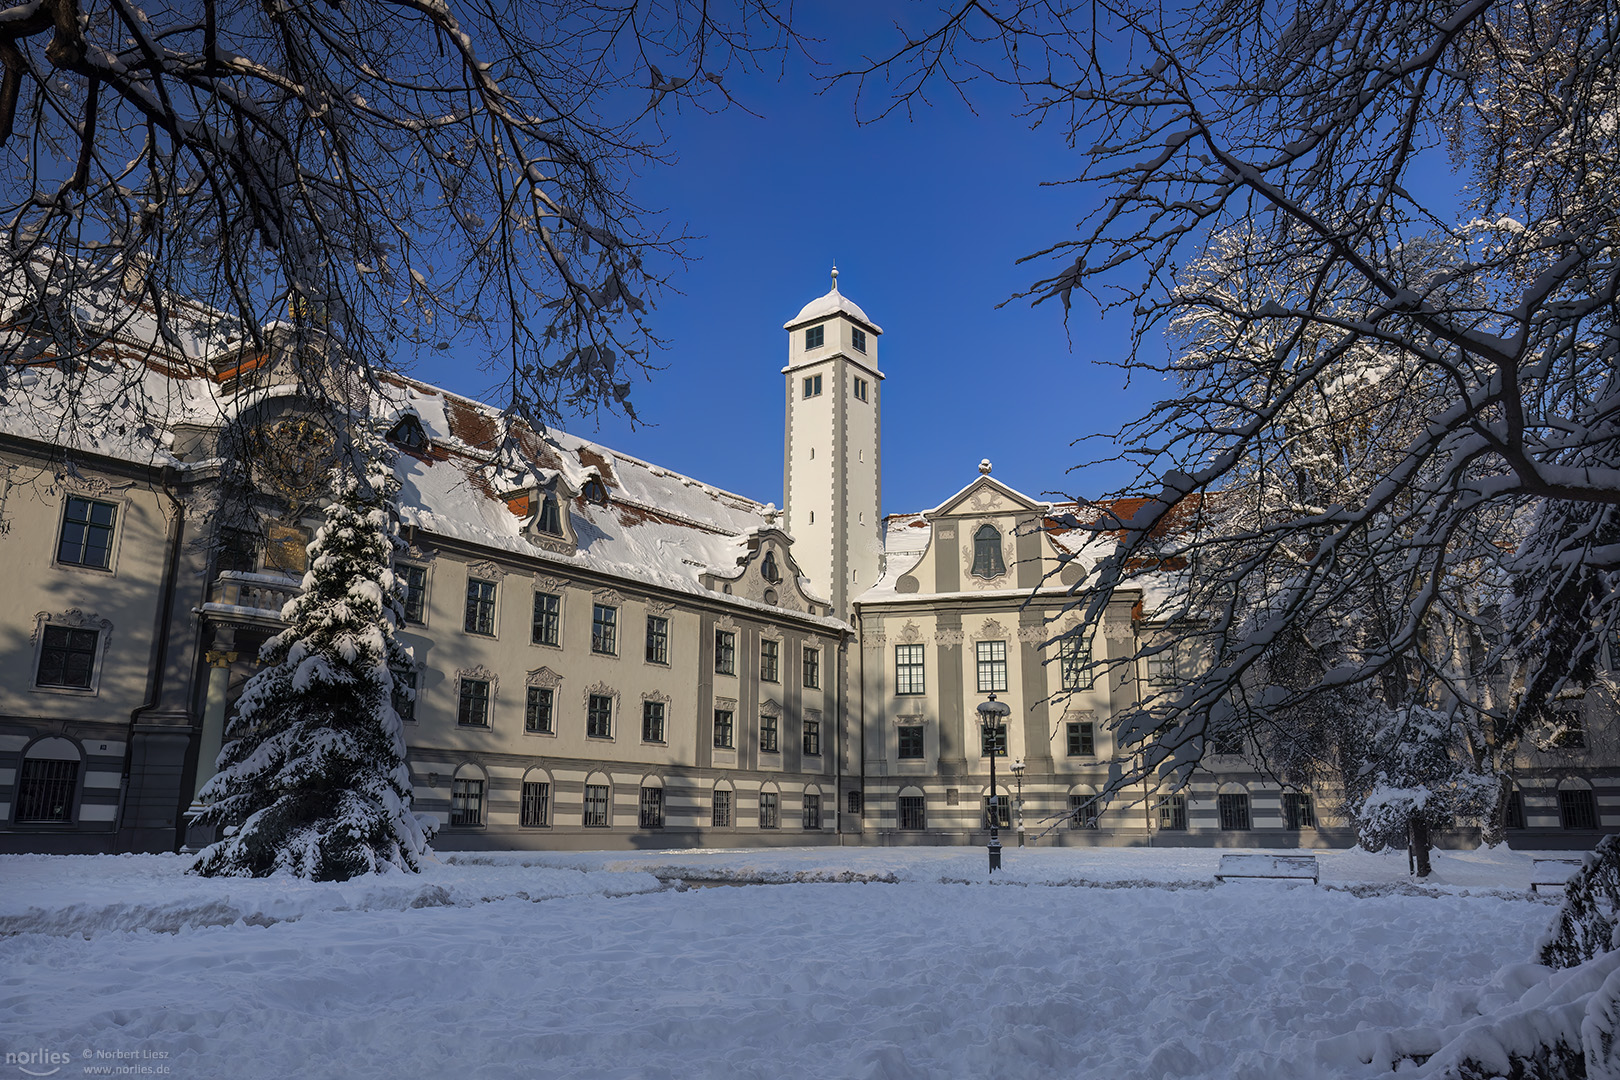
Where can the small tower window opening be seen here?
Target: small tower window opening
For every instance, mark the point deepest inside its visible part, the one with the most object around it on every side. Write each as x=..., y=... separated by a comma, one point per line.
x=812, y=386
x=860, y=388
x=857, y=337
x=768, y=568
x=987, y=562
x=550, y=516
x=815, y=337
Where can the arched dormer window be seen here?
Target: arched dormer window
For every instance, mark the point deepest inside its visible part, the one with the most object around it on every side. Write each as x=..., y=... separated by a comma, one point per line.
x=768, y=568
x=596, y=491
x=987, y=561
x=408, y=433
x=550, y=516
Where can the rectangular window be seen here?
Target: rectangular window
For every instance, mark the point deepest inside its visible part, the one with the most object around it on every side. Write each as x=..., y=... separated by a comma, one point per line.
x=413, y=581
x=652, y=721
x=1577, y=809
x=472, y=707
x=599, y=717
x=1298, y=813
x=238, y=551
x=812, y=738
x=770, y=661
x=1082, y=811
x=815, y=337
x=1001, y=807
x=723, y=729
x=652, y=808
x=857, y=337
x=911, y=741
x=1227, y=741
x=480, y=616
x=537, y=715
x=1173, y=813
x=67, y=657
x=536, y=804
x=812, y=811
x=604, y=629
x=547, y=629
x=767, y=734
x=993, y=740
x=720, y=816
x=1082, y=739
x=1074, y=662
x=467, y=802
x=1234, y=810
x=725, y=652
x=87, y=533
x=550, y=518
x=992, y=666
x=857, y=804
x=913, y=812
x=812, y=386
x=860, y=388
x=812, y=668
x=1161, y=668
x=768, y=816
x=1515, y=809
x=596, y=806
x=908, y=669
x=657, y=639
x=45, y=790
x=404, y=692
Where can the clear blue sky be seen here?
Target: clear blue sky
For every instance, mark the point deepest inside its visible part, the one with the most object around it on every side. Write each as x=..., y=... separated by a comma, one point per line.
x=925, y=219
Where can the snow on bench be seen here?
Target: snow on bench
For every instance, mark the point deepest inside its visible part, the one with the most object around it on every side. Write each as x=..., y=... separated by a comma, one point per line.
x=1279, y=867
x=1554, y=873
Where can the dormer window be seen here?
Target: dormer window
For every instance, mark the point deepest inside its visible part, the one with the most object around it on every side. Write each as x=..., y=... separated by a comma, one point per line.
x=768, y=568
x=408, y=434
x=596, y=491
x=987, y=561
x=857, y=337
x=815, y=337
x=550, y=516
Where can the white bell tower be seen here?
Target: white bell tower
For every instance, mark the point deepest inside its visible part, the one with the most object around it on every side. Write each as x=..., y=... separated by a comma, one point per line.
x=831, y=488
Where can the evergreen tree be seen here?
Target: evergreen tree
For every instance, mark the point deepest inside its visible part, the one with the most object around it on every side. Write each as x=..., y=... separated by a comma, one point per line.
x=312, y=777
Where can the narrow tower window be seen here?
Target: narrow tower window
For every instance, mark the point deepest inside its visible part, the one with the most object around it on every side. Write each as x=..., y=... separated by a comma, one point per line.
x=815, y=337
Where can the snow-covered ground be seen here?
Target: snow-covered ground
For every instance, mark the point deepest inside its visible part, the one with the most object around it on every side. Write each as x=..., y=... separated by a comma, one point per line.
x=860, y=962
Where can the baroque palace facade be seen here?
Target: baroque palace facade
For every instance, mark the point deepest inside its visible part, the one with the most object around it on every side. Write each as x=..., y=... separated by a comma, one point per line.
x=608, y=654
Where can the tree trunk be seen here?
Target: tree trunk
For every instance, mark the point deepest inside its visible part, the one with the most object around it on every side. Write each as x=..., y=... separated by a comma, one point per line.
x=1493, y=827
x=1417, y=846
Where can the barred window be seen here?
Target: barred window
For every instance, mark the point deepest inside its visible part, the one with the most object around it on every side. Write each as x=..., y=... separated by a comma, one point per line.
x=767, y=734
x=537, y=711
x=604, y=629
x=480, y=614
x=998, y=811
x=1234, y=810
x=857, y=804
x=913, y=811
x=472, y=709
x=547, y=628
x=1173, y=813
x=413, y=582
x=812, y=811
x=908, y=669
x=1298, y=812
x=536, y=804
x=87, y=533
x=812, y=668
x=911, y=741
x=723, y=729
x=596, y=806
x=725, y=652
x=599, y=716
x=1083, y=811
x=720, y=816
x=992, y=666
x=1577, y=809
x=657, y=639
x=770, y=653
x=652, y=808
x=1515, y=809
x=1082, y=738
x=1074, y=662
x=768, y=816
x=45, y=790
x=67, y=657
x=812, y=738
x=652, y=721
x=467, y=802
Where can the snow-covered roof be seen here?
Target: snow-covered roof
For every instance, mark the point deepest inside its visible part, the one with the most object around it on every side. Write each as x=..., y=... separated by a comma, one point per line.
x=833, y=303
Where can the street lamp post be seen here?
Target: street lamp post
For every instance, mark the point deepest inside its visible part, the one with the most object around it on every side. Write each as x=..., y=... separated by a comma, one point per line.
x=993, y=718
x=1018, y=771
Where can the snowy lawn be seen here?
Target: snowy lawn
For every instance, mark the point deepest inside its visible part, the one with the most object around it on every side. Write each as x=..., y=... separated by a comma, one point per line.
x=860, y=962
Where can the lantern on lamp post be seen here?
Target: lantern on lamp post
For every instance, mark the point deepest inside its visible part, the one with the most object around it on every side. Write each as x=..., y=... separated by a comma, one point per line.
x=1018, y=800
x=993, y=721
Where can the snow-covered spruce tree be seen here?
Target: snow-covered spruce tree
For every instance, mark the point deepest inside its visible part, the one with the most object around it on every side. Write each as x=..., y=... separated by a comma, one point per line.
x=312, y=777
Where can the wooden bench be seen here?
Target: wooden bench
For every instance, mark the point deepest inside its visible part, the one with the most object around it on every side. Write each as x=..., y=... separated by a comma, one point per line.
x=1554, y=873
x=1273, y=867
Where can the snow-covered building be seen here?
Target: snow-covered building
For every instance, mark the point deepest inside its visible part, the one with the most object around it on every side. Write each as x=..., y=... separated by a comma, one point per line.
x=607, y=653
